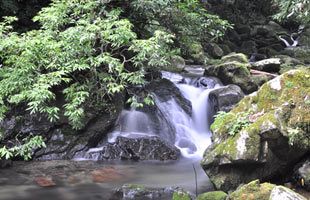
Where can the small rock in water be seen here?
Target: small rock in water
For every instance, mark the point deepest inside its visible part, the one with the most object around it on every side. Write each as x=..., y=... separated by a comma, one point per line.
x=44, y=181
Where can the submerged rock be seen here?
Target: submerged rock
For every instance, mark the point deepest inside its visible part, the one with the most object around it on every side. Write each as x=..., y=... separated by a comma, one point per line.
x=140, y=192
x=143, y=148
x=264, y=135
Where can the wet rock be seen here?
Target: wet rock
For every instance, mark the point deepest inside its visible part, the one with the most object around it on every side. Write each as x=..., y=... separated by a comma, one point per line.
x=233, y=73
x=165, y=90
x=143, y=148
x=302, y=174
x=140, y=192
x=283, y=193
x=206, y=82
x=273, y=140
x=267, y=65
x=215, y=195
x=227, y=97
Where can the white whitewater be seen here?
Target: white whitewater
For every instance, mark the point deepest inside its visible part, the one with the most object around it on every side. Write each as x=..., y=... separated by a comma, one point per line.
x=132, y=123
x=191, y=133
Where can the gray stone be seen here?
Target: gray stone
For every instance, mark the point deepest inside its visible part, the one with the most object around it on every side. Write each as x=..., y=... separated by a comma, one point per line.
x=267, y=65
x=283, y=193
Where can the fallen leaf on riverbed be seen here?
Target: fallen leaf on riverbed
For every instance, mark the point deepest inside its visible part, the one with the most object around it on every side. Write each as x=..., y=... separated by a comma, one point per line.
x=105, y=175
x=44, y=181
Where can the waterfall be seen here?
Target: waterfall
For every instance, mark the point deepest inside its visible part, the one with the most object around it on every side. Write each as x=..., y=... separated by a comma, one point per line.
x=190, y=131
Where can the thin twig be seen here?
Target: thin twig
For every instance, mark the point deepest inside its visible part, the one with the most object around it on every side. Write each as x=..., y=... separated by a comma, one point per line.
x=196, y=184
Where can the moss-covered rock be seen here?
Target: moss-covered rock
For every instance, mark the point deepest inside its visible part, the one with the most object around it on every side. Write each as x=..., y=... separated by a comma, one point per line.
x=238, y=57
x=215, y=195
x=196, y=52
x=233, y=73
x=284, y=193
x=275, y=138
x=181, y=195
x=253, y=191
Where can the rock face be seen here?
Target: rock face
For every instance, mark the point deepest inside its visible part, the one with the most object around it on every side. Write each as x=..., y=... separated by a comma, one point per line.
x=140, y=192
x=61, y=140
x=264, y=135
x=142, y=148
x=267, y=65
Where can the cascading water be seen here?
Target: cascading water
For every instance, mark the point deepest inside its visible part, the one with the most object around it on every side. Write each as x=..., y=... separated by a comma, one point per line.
x=190, y=132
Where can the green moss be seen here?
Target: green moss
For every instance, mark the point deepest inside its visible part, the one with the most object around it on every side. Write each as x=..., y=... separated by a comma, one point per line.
x=216, y=195
x=135, y=186
x=253, y=191
x=180, y=195
x=238, y=57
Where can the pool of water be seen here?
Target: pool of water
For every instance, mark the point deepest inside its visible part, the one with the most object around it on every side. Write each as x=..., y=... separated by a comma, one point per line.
x=95, y=180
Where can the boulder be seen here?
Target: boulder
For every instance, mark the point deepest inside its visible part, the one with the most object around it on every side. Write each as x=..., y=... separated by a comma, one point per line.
x=253, y=191
x=264, y=191
x=267, y=65
x=215, y=195
x=238, y=57
x=283, y=193
x=196, y=53
x=214, y=50
x=302, y=174
x=264, y=136
x=233, y=73
x=227, y=97
x=177, y=63
x=140, y=192
x=300, y=53
x=141, y=148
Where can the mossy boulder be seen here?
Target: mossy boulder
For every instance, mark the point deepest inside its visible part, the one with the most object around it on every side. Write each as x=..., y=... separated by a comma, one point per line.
x=300, y=53
x=196, y=53
x=233, y=72
x=264, y=135
x=253, y=191
x=140, y=192
x=238, y=57
x=215, y=195
x=264, y=191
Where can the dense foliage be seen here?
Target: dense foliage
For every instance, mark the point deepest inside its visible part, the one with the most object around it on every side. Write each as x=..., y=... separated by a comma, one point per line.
x=86, y=51
x=294, y=9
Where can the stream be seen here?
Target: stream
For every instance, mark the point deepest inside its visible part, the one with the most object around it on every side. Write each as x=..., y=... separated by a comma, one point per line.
x=89, y=178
